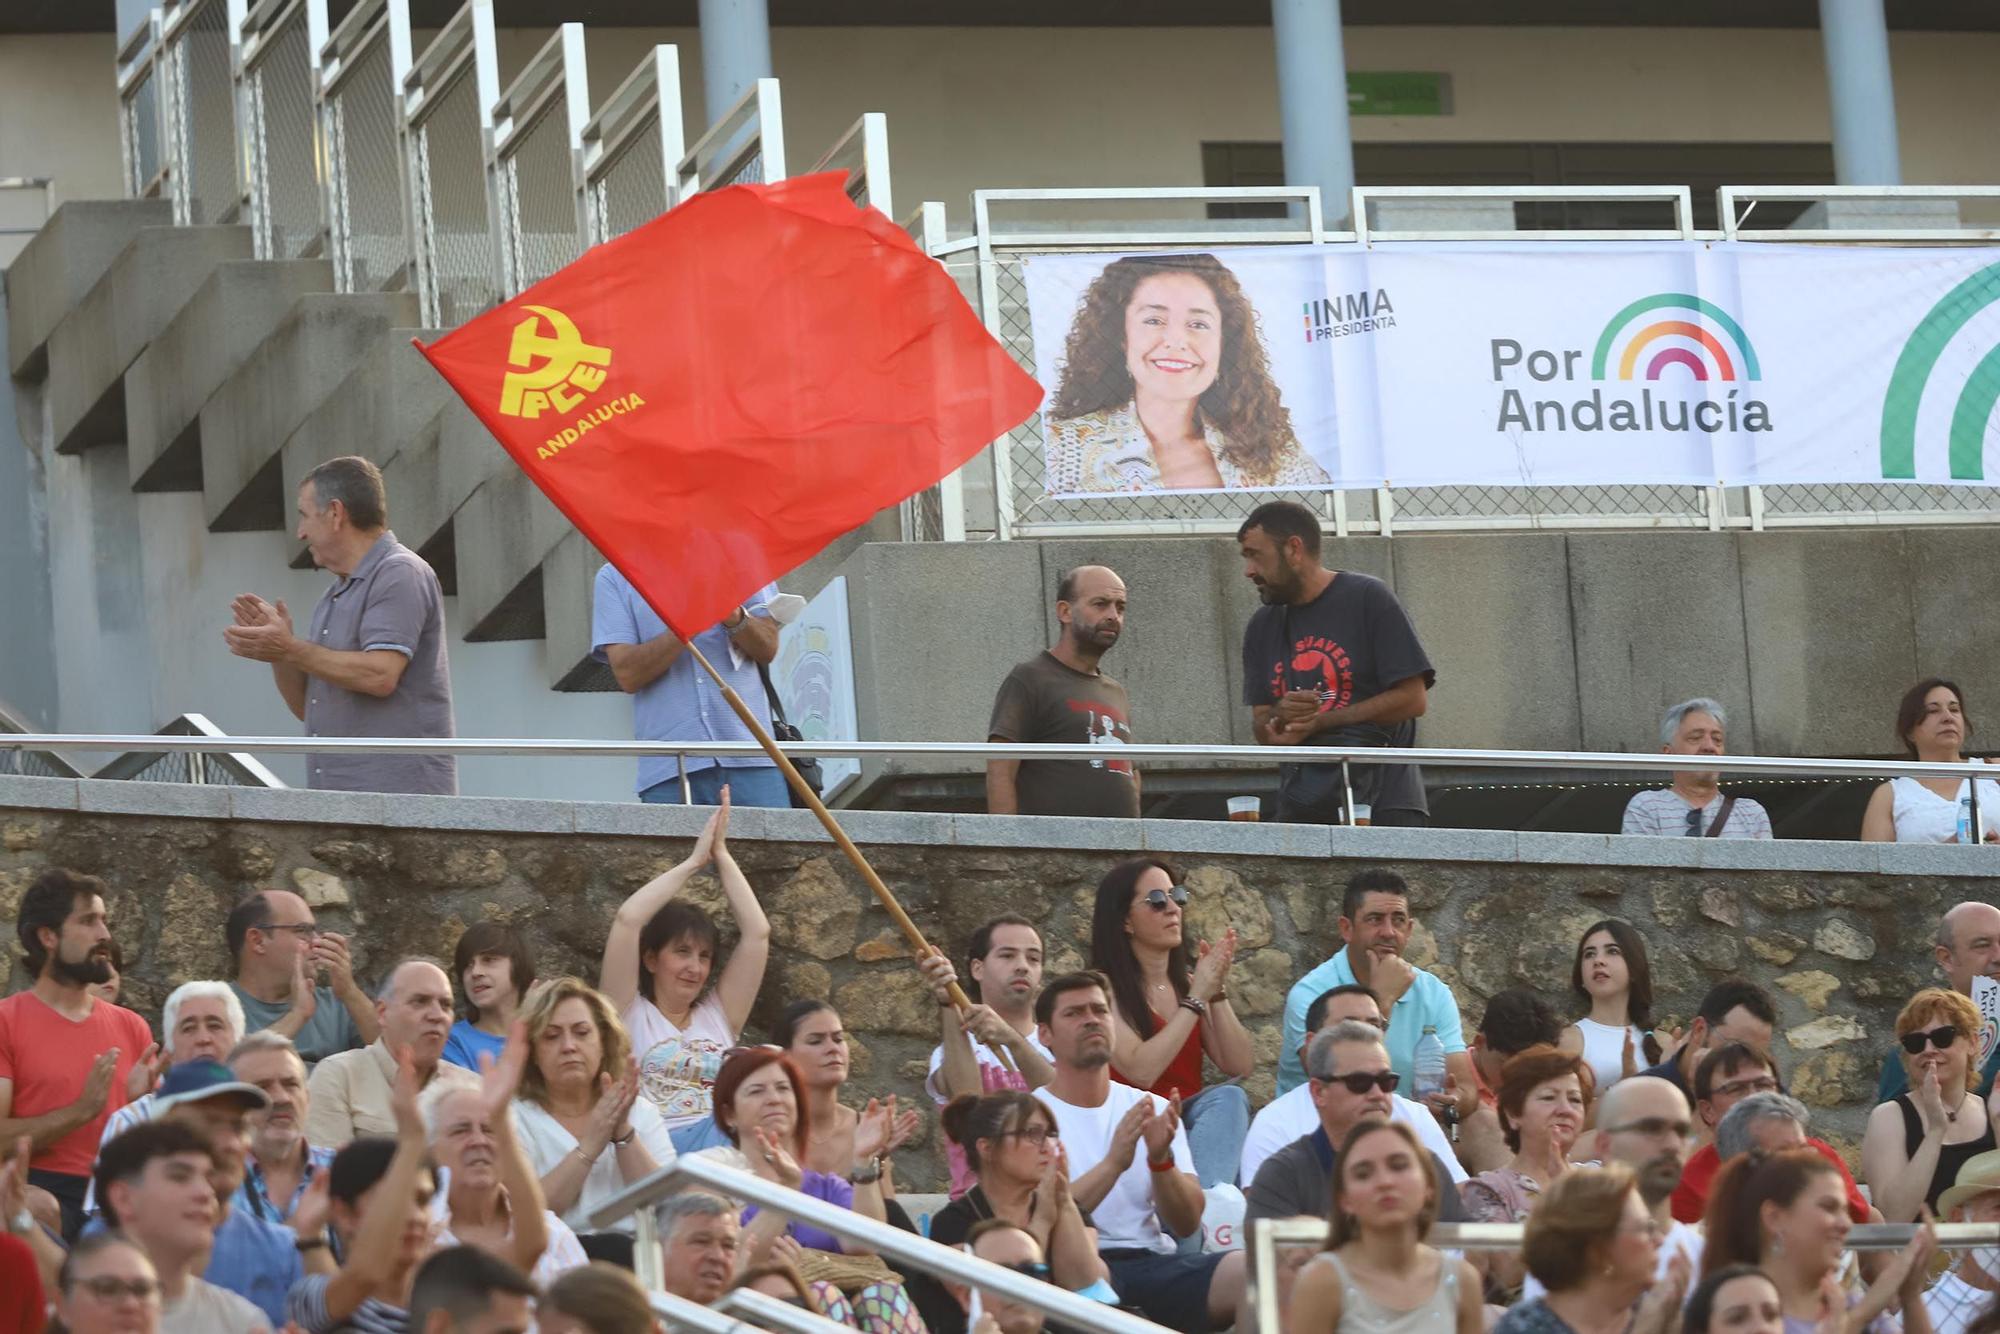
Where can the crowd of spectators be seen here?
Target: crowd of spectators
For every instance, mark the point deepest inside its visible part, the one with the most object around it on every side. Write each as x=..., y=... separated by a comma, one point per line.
x=439, y=1160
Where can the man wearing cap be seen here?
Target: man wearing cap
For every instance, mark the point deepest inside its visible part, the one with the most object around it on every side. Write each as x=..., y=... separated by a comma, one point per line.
x=1968, y=1287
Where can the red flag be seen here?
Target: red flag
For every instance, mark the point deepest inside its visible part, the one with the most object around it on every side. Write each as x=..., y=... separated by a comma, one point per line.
x=714, y=397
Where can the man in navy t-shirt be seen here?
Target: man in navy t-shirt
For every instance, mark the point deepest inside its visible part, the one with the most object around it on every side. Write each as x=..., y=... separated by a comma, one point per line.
x=1331, y=659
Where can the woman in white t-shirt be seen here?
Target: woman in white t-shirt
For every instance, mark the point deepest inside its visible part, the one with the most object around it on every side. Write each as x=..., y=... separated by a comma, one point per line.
x=656, y=968
x=1933, y=724
x=1612, y=976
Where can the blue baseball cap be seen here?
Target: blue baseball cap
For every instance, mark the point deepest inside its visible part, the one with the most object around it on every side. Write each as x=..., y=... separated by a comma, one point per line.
x=199, y=1081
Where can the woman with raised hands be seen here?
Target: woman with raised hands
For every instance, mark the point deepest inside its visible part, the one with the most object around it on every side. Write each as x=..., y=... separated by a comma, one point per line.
x=1544, y=1103
x=584, y=1126
x=1916, y=1142
x=837, y=1136
x=658, y=962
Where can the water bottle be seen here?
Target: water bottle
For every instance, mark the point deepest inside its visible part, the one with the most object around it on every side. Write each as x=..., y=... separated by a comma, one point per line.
x=1965, y=834
x=1429, y=1063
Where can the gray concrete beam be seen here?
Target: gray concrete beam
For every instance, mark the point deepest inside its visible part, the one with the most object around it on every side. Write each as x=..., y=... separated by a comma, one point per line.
x=568, y=577
x=245, y=423
x=97, y=342
x=504, y=531
x=429, y=480
x=226, y=320
x=388, y=402
x=1953, y=572
x=1659, y=619
x=1833, y=639
x=59, y=266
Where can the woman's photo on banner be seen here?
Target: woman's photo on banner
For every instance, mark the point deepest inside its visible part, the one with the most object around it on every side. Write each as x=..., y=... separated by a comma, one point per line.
x=1163, y=374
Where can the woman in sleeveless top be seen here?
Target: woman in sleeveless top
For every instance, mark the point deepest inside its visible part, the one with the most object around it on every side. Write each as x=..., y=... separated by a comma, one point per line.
x=1173, y=1009
x=1377, y=1275
x=1933, y=724
x=1916, y=1142
x=1612, y=977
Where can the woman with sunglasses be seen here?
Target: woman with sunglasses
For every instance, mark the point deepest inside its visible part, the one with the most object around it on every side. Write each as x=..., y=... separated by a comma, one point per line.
x=1544, y=1104
x=1377, y=1274
x=1172, y=1010
x=1786, y=1213
x=1916, y=1142
x=1021, y=1176
x=837, y=1136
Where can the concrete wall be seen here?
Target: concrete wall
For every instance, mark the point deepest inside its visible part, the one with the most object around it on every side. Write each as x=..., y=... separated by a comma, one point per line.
x=1838, y=932
x=974, y=108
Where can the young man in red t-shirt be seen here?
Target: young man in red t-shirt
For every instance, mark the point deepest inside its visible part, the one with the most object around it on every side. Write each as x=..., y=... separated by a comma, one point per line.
x=67, y=1059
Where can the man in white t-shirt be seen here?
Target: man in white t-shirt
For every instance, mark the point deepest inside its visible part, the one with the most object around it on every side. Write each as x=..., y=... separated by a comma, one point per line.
x=1140, y=1203
x=1293, y=1115
x=1644, y=1122
x=1004, y=967
x=1965, y=1291
x=152, y=1183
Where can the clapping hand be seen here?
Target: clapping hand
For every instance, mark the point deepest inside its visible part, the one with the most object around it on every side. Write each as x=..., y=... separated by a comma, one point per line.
x=97, y=1084
x=610, y=1116
x=1125, y=1136
x=500, y=1077
x=1158, y=1128
x=881, y=1131
x=309, y=1216
x=145, y=1074
x=1660, y=1309
x=403, y=1098
x=713, y=841
x=1211, y=968
x=768, y=1159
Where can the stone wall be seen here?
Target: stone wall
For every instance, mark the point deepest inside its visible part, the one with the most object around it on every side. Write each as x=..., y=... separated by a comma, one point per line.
x=1840, y=932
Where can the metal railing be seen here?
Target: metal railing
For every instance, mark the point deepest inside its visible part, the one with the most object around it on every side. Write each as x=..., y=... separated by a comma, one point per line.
x=448, y=98
x=198, y=56
x=892, y=1243
x=362, y=67
x=746, y=146
x=633, y=146
x=278, y=86
x=142, y=109
x=936, y=513
x=863, y=154
x=536, y=163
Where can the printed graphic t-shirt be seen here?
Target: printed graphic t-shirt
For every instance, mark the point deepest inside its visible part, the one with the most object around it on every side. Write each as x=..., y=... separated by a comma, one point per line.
x=1351, y=643
x=678, y=1066
x=1044, y=701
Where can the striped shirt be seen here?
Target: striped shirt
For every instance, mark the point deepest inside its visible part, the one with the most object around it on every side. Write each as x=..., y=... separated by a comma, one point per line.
x=307, y=1308
x=1661, y=811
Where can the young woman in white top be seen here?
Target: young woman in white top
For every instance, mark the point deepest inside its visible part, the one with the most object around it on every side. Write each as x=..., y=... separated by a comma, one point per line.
x=658, y=961
x=1612, y=976
x=1377, y=1275
x=1933, y=724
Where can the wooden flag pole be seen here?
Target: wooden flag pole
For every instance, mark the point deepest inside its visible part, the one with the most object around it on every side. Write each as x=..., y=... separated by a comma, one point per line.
x=804, y=789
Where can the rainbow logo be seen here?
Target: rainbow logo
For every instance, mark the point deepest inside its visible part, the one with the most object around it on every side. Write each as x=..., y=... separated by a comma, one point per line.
x=1966, y=441
x=1677, y=338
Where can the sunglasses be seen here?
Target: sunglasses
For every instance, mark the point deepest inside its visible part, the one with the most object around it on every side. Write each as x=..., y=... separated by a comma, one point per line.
x=1940, y=1037
x=1386, y=1080
x=1156, y=899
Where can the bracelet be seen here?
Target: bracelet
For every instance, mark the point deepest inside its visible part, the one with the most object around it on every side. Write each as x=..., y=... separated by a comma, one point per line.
x=1166, y=1166
x=867, y=1174
x=1199, y=1010
x=621, y=1143
x=309, y=1244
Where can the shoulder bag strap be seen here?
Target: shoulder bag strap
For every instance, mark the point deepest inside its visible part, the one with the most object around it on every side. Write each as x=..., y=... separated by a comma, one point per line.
x=1721, y=818
x=771, y=694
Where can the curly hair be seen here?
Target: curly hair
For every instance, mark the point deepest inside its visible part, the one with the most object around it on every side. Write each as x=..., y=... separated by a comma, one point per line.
x=1243, y=402
x=538, y=1011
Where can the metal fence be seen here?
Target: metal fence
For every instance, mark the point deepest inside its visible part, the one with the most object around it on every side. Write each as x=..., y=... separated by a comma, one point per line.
x=198, y=60
x=633, y=146
x=215, y=768
x=745, y=147
x=278, y=82
x=448, y=99
x=142, y=117
x=362, y=67
x=537, y=156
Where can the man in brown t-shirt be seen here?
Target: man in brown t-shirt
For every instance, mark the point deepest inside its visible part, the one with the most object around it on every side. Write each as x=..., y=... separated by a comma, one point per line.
x=1060, y=697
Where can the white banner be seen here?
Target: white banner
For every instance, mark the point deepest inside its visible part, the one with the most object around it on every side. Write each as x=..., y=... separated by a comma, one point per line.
x=1496, y=364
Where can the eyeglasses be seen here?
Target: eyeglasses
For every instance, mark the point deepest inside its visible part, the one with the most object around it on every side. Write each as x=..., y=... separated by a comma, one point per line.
x=306, y=930
x=1156, y=899
x=1029, y=1268
x=1035, y=1135
x=1763, y=1084
x=109, y=1288
x=1940, y=1037
x=1360, y=1083
x=1657, y=1126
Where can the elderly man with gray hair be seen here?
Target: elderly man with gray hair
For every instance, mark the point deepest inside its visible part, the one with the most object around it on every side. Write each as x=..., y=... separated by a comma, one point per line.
x=349, y=1092
x=1694, y=806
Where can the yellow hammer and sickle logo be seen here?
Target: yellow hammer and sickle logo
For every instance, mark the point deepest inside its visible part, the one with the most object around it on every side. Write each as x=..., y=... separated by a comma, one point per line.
x=570, y=369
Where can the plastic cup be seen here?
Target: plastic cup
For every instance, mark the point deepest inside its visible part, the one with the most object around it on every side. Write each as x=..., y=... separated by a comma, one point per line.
x=1244, y=808
x=1362, y=812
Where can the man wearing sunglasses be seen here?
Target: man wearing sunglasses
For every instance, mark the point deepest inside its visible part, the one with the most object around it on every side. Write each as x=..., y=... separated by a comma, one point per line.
x=280, y=953
x=1351, y=1082
x=1000, y=1242
x=1967, y=950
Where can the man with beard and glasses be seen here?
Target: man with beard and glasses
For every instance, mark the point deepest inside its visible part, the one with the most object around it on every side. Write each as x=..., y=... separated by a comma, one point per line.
x=1330, y=659
x=351, y=1090
x=281, y=1165
x=67, y=1059
x=1644, y=1123
x=1060, y=697
x=1130, y=1167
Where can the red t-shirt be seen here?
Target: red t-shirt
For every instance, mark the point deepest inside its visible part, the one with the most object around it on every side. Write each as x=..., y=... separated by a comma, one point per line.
x=1690, y=1198
x=21, y=1302
x=48, y=1058
x=1183, y=1072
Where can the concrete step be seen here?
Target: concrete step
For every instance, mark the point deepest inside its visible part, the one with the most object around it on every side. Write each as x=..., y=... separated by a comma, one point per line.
x=228, y=318
x=569, y=576
x=59, y=266
x=97, y=342
x=432, y=476
x=505, y=530
x=245, y=424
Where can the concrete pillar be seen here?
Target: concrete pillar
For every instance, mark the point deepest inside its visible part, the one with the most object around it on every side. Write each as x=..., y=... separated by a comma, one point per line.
x=735, y=51
x=1861, y=91
x=131, y=13
x=1312, y=101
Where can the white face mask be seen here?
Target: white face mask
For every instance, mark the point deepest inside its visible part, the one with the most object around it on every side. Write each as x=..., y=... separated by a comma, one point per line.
x=1987, y=1258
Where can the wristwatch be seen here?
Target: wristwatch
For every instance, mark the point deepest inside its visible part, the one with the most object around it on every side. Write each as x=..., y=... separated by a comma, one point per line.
x=862, y=1176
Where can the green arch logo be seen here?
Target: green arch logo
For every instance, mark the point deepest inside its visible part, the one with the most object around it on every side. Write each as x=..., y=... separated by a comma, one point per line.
x=1967, y=441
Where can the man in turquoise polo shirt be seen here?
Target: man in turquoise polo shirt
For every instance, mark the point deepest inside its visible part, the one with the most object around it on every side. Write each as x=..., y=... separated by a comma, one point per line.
x=1375, y=923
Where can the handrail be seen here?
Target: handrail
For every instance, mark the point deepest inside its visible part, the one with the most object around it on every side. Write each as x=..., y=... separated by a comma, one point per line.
x=1793, y=766
x=684, y=1314
x=905, y=1248
x=770, y=1313
x=175, y=734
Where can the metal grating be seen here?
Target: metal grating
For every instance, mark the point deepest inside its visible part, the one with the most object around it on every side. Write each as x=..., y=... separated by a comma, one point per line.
x=449, y=190
x=364, y=165
x=540, y=190
x=631, y=190
x=282, y=154
x=199, y=60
